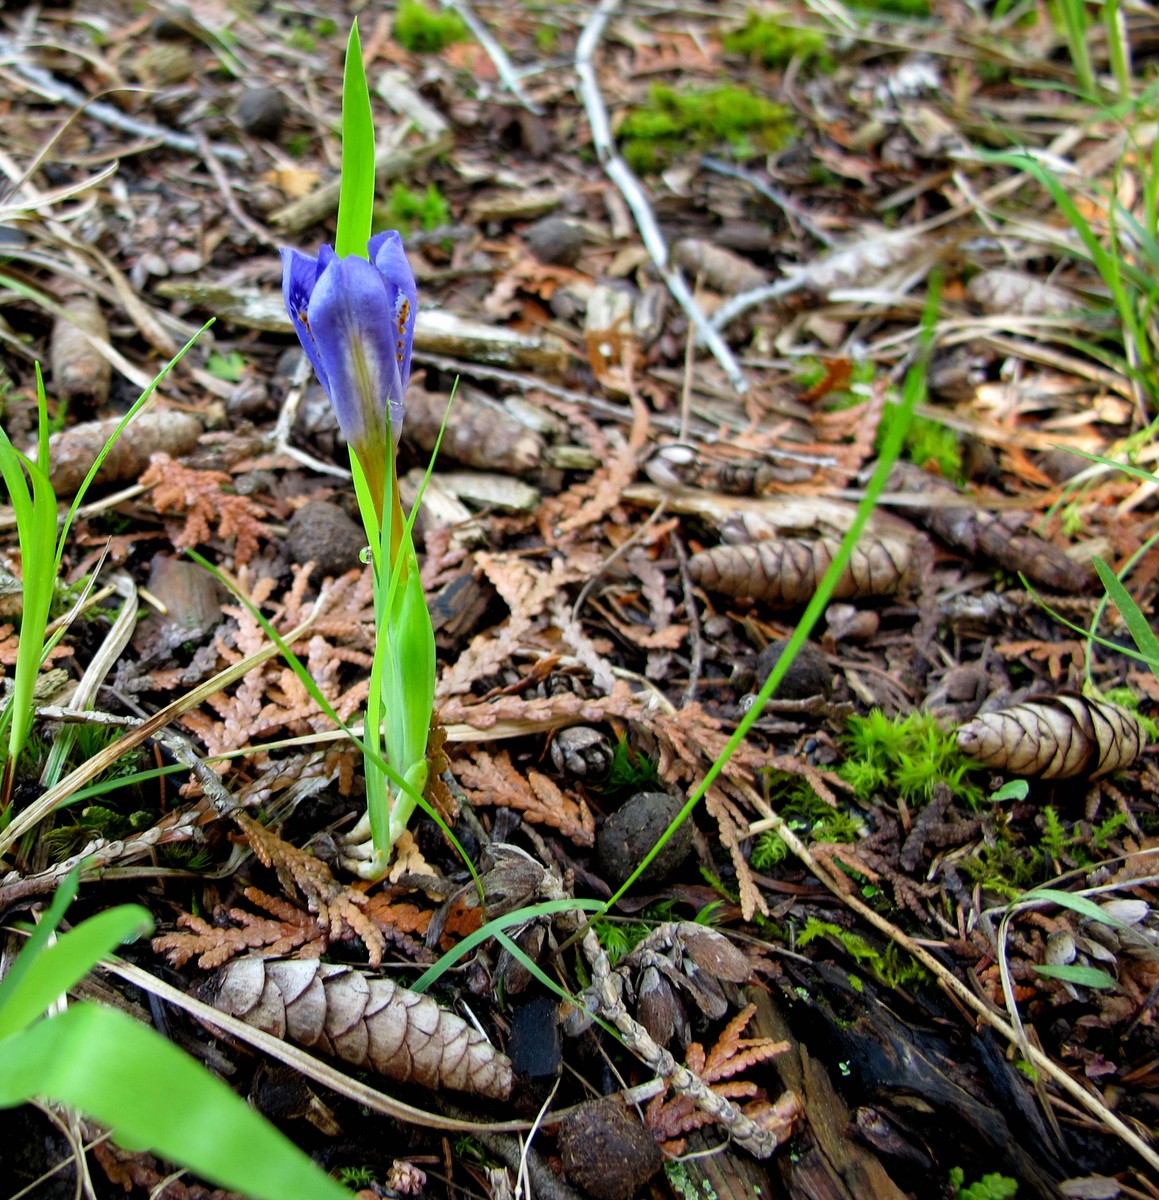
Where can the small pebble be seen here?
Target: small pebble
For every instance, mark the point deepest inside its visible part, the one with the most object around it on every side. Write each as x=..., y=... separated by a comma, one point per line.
x=262, y=111
x=630, y=832
x=554, y=240
x=322, y=533
x=808, y=674
x=607, y=1151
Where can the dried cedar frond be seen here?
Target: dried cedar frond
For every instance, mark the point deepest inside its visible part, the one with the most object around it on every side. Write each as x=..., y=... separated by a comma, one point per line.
x=206, y=503
x=788, y=572
x=732, y=1054
x=365, y=1020
x=1055, y=737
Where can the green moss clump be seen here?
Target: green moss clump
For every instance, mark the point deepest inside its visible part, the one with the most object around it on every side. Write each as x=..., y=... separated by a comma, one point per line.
x=989, y=1187
x=890, y=968
x=630, y=770
x=905, y=756
x=810, y=817
x=767, y=41
x=409, y=209
x=421, y=31
x=928, y=442
x=676, y=123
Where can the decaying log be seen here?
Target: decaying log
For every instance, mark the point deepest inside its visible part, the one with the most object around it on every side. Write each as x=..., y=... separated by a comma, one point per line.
x=1001, y=537
x=365, y=1020
x=436, y=332
x=829, y=1163
x=1055, y=737
x=788, y=572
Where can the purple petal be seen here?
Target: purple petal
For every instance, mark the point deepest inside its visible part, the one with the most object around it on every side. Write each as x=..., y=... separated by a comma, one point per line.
x=300, y=275
x=350, y=316
x=389, y=257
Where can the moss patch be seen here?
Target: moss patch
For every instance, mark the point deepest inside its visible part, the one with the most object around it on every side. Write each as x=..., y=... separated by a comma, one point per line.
x=422, y=31
x=408, y=210
x=674, y=123
x=905, y=756
x=898, y=8
x=765, y=40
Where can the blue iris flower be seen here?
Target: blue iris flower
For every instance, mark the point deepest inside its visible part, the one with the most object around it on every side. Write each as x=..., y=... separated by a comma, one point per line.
x=355, y=318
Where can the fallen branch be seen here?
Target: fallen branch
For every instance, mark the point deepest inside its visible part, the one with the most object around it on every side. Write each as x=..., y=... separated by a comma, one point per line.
x=621, y=175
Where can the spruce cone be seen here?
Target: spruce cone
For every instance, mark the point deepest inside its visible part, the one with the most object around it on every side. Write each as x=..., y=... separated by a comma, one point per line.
x=787, y=572
x=1056, y=737
x=365, y=1020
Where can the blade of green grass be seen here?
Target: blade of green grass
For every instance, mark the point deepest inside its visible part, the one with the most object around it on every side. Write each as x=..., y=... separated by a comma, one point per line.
x=1137, y=624
x=519, y=917
x=356, y=197
x=1090, y=977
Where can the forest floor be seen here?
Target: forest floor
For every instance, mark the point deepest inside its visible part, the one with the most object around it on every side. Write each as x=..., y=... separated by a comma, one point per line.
x=675, y=371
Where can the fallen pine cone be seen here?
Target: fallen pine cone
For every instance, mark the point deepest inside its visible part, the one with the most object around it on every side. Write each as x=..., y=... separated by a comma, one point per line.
x=365, y=1020
x=788, y=572
x=1056, y=737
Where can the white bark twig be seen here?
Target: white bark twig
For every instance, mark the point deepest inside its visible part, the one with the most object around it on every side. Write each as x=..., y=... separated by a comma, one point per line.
x=621, y=175
x=60, y=92
x=508, y=75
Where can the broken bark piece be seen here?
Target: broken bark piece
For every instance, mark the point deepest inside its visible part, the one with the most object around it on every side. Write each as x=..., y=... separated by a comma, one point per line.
x=365, y=1020
x=1055, y=737
x=1001, y=537
x=73, y=451
x=788, y=572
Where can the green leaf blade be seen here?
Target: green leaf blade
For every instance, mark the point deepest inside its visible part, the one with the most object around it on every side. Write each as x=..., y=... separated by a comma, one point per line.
x=1089, y=977
x=356, y=196
x=151, y=1094
x=1137, y=624
x=56, y=968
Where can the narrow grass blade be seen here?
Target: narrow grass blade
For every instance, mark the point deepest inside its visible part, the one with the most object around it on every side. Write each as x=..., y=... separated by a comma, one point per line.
x=519, y=917
x=1090, y=977
x=356, y=197
x=1137, y=624
x=39, y=938
x=912, y=393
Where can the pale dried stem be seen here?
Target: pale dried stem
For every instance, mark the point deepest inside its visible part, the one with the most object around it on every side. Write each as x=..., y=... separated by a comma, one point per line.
x=507, y=72
x=51, y=88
